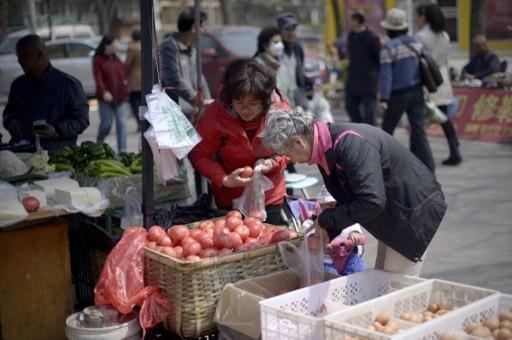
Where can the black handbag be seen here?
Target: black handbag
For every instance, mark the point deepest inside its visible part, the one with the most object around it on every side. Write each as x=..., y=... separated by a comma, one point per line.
x=431, y=76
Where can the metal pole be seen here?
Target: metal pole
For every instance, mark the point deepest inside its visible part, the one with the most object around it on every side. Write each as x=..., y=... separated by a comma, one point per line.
x=197, y=21
x=146, y=10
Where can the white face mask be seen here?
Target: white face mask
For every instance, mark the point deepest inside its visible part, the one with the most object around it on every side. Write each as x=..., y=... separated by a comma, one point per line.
x=276, y=49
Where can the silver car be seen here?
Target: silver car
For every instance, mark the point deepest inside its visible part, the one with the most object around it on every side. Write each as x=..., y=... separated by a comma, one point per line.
x=72, y=56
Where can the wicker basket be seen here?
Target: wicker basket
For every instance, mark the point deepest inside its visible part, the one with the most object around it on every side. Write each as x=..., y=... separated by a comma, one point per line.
x=194, y=288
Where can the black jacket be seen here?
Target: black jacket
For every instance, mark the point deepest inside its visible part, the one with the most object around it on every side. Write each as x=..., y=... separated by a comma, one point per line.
x=380, y=184
x=364, y=63
x=58, y=98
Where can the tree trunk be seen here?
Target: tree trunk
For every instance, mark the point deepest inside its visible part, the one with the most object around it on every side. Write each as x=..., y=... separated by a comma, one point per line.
x=32, y=22
x=225, y=12
x=106, y=10
x=477, y=23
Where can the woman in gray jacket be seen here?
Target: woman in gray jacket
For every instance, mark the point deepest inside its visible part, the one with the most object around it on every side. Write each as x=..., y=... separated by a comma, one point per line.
x=436, y=43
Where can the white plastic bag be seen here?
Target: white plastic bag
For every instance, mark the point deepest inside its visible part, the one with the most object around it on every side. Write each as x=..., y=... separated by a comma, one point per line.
x=11, y=210
x=253, y=197
x=165, y=161
x=132, y=211
x=434, y=114
x=171, y=127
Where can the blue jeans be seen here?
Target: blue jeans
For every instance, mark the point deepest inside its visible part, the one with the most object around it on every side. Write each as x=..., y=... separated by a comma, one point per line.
x=107, y=111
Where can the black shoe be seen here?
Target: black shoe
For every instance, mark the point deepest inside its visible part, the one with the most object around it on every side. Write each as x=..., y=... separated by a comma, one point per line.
x=452, y=161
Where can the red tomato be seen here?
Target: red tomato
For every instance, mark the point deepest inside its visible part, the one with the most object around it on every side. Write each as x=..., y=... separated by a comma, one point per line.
x=205, y=240
x=193, y=258
x=179, y=251
x=156, y=233
x=243, y=231
x=243, y=247
x=178, y=233
x=151, y=244
x=207, y=252
x=250, y=240
x=255, y=228
x=225, y=252
x=186, y=240
x=292, y=234
x=232, y=223
x=236, y=240
x=205, y=225
x=194, y=233
x=257, y=215
x=234, y=213
x=169, y=251
x=222, y=241
x=281, y=235
x=221, y=223
x=220, y=230
x=191, y=248
x=30, y=203
x=247, y=172
x=159, y=249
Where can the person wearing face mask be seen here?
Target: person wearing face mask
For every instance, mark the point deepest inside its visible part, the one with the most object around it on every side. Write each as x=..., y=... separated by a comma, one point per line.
x=270, y=50
x=230, y=129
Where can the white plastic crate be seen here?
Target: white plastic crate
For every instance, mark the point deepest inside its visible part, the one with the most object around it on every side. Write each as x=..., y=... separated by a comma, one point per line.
x=298, y=314
x=476, y=313
x=353, y=322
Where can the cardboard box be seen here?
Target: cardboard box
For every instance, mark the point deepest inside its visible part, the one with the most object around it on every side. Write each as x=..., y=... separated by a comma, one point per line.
x=238, y=311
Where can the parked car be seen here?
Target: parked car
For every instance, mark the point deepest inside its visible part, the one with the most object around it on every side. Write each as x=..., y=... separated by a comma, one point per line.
x=221, y=45
x=73, y=56
x=8, y=46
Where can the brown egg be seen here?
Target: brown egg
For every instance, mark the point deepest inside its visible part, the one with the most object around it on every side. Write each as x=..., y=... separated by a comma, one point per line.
x=442, y=312
x=433, y=307
x=481, y=331
x=393, y=325
x=444, y=305
x=388, y=330
x=371, y=328
x=492, y=323
x=503, y=334
x=506, y=324
x=383, y=317
x=405, y=316
x=378, y=326
x=506, y=316
x=470, y=326
x=448, y=336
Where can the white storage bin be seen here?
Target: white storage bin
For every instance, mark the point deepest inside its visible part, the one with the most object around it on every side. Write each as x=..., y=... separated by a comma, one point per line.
x=353, y=322
x=298, y=314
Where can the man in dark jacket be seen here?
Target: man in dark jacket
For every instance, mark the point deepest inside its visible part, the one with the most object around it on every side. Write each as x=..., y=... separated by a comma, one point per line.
x=483, y=63
x=179, y=65
x=375, y=180
x=363, y=71
x=293, y=61
x=44, y=101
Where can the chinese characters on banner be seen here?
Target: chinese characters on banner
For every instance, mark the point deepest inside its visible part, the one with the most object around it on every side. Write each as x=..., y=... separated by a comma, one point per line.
x=482, y=114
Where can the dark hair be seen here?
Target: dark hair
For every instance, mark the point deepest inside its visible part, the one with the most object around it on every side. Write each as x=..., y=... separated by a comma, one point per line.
x=247, y=76
x=106, y=40
x=359, y=17
x=187, y=19
x=265, y=37
x=136, y=35
x=433, y=15
x=32, y=40
x=393, y=34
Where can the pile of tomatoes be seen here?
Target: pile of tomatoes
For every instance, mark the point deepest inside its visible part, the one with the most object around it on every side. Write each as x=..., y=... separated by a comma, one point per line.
x=216, y=237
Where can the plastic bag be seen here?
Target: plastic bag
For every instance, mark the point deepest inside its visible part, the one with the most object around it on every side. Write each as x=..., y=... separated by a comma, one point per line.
x=121, y=283
x=435, y=115
x=165, y=161
x=253, y=197
x=306, y=260
x=132, y=212
x=11, y=210
x=172, y=128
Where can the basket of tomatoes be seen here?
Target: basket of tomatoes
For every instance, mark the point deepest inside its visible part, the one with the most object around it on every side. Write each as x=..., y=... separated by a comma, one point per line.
x=192, y=264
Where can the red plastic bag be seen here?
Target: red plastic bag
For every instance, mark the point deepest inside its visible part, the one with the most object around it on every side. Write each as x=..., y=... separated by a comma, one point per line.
x=121, y=283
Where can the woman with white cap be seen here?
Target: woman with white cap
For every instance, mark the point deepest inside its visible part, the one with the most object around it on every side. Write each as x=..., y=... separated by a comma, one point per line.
x=401, y=86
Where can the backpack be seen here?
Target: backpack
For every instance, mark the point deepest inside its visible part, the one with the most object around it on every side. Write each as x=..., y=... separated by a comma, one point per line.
x=430, y=74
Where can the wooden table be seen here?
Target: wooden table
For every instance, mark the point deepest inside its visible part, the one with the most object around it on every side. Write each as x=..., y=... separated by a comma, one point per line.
x=35, y=278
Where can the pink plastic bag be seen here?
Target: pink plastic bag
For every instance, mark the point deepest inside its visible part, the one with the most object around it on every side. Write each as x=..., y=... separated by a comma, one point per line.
x=121, y=283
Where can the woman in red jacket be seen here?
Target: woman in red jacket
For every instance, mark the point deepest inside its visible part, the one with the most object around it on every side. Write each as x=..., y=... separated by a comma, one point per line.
x=111, y=91
x=230, y=129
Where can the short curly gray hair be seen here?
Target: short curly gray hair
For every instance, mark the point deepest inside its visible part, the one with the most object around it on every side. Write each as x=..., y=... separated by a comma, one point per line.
x=282, y=124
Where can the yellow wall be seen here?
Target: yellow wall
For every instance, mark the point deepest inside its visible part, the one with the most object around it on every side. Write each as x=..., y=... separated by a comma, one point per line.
x=390, y=4
x=464, y=16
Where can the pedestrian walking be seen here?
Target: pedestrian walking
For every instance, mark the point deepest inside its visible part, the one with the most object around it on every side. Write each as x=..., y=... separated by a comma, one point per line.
x=132, y=64
x=111, y=91
x=401, y=87
x=436, y=43
x=363, y=71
